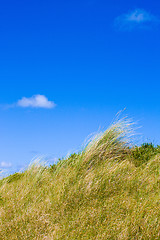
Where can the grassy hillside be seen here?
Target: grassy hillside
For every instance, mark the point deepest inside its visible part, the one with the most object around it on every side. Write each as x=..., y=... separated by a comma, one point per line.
x=110, y=190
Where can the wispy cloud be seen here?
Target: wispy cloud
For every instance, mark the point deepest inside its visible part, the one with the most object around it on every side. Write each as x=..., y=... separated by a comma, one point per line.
x=136, y=19
x=36, y=101
x=5, y=164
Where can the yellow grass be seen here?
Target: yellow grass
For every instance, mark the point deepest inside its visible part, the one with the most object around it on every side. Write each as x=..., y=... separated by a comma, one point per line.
x=97, y=194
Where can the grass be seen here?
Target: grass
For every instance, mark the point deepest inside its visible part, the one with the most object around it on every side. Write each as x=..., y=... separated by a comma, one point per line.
x=110, y=190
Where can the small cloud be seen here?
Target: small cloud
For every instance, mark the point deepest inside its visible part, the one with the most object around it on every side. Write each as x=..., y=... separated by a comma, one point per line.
x=36, y=101
x=5, y=164
x=138, y=18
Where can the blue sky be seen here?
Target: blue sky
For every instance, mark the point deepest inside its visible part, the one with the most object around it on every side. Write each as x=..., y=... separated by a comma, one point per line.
x=67, y=68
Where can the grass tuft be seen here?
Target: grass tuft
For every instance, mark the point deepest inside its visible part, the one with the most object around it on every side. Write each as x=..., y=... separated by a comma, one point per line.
x=113, y=143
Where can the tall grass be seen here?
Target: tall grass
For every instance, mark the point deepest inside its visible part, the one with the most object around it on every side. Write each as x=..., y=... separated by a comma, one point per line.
x=99, y=193
x=112, y=143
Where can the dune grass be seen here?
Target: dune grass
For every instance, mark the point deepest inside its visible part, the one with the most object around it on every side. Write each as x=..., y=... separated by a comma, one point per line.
x=110, y=190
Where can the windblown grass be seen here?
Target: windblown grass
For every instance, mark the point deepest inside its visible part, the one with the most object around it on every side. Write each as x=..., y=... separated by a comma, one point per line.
x=110, y=144
x=100, y=193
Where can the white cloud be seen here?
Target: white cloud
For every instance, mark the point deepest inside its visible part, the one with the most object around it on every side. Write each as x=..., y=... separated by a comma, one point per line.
x=138, y=18
x=5, y=164
x=36, y=101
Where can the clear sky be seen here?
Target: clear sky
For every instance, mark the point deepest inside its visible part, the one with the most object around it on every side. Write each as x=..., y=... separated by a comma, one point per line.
x=67, y=67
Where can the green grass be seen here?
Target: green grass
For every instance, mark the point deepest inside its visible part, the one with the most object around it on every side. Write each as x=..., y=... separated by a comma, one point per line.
x=110, y=190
